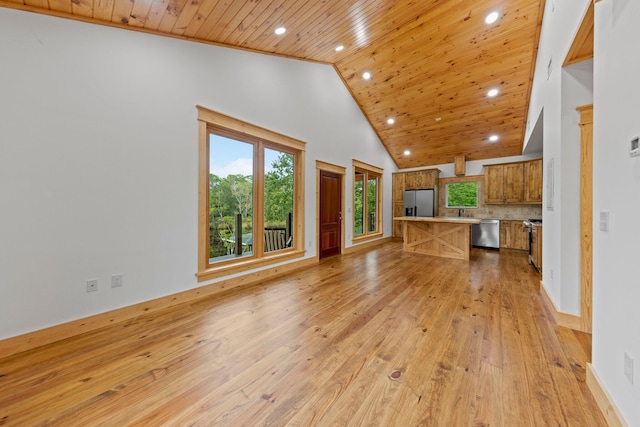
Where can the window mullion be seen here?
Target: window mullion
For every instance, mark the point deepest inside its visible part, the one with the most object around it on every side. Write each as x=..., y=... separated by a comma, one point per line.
x=365, y=203
x=258, y=200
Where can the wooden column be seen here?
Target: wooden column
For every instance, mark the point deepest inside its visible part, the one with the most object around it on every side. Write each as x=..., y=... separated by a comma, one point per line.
x=586, y=215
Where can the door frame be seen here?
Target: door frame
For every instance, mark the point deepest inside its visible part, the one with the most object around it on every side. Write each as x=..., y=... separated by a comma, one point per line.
x=586, y=216
x=342, y=171
x=580, y=50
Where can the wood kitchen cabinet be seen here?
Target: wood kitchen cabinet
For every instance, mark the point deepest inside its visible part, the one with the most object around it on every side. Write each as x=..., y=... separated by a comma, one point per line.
x=416, y=180
x=493, y=184
x=421, y=179
x=520, y=236
x=507, y=183
x=505, y=234
x=514, y=183
x=513, y=235
x=504, y=183
x=398, y=210
x=397, y=194
x=397, y=187
x=533, y=181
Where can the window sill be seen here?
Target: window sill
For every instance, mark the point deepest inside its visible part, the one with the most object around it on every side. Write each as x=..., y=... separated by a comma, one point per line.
x=366, y=237
x=241, y=266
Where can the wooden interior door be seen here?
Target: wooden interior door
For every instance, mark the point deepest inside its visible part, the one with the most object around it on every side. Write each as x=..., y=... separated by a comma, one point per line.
x=330, y=237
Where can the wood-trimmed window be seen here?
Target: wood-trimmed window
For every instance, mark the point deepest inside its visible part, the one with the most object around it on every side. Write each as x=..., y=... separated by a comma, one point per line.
x=251, y=205
x=367, y=201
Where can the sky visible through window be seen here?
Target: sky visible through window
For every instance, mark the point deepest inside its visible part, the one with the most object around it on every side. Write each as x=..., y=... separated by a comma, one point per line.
x=230, y=157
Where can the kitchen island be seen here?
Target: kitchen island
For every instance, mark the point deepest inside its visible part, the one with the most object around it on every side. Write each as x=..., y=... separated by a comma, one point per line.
x=448, y=237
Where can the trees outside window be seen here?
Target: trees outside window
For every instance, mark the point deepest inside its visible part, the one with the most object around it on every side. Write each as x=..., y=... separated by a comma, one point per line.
x=278, y=200
x=367, y=201
x=230, y=197
x=462, y=194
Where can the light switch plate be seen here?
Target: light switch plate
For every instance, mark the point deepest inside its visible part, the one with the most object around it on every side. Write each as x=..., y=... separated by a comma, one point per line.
x=628, y=367
x=604, y=220
x=116, y=280
x=634, y=149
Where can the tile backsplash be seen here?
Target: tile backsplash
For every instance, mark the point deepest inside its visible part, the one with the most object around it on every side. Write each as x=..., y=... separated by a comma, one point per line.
x=487, y=211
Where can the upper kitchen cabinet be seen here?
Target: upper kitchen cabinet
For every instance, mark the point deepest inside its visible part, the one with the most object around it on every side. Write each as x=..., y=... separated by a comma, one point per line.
x=504, y=183
x=494, y=184
x=513, y=183
x=421, y=179
x=533, y=181
x=397, y=187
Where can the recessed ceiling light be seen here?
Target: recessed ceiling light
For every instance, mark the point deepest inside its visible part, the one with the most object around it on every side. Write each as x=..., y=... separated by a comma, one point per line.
x=491, y=18
x=391, y=120
x=366, y=75
x=339, y=48
x=492, y=93
x=407, y=152
x=280, y=31
x=493, y=138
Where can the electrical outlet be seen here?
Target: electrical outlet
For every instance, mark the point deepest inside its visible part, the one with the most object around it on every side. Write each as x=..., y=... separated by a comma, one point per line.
x=92, y=285
x=628, y=367
x=116, y=280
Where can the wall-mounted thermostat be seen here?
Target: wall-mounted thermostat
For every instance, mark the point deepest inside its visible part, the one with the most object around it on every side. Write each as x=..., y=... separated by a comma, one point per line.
x=635, y=147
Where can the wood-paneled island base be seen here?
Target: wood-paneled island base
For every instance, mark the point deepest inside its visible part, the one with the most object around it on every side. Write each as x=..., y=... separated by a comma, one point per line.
x=448, y=237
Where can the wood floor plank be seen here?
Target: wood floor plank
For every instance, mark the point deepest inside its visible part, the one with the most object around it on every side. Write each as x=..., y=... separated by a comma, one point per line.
x=377, y=338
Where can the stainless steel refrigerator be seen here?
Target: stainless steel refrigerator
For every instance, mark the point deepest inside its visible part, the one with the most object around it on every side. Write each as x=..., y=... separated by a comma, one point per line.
x=419, y=202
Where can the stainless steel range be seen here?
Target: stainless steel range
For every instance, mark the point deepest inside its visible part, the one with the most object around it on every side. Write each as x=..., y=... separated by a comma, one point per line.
x=528, y=225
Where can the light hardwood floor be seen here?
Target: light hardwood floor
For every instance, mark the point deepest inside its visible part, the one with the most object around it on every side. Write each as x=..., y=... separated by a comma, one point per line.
x=378, y=338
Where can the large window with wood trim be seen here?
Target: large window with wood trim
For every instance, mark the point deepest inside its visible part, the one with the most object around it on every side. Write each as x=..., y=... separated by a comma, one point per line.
x=367, y=200
x=251, y=195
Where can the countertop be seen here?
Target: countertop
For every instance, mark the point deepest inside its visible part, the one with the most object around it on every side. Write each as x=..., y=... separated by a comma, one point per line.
x=450, y=219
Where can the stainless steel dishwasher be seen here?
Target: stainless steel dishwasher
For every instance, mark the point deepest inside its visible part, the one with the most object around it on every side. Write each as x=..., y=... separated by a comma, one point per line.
x=486, y=234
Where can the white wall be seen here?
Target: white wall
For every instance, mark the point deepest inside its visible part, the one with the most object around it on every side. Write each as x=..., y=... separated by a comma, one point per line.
x=98, y=163
x=577, y=90
x=556, y=95
x=616, y=89
x=616, y=294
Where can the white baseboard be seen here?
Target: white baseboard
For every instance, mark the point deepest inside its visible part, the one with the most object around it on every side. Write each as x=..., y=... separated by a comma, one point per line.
x=55, y=333
x=604, y=401
x=570, y=321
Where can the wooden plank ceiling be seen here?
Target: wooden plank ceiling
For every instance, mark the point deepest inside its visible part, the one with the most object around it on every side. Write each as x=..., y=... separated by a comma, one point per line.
x=432, y=62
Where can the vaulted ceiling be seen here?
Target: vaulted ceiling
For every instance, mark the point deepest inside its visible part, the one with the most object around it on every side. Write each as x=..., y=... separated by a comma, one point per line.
x=431, y=62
